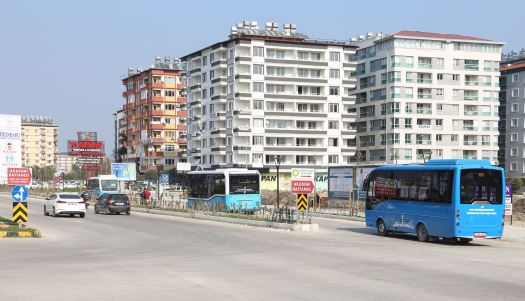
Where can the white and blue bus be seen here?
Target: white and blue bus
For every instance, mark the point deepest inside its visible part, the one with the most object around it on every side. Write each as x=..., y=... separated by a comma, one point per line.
x=231, y=188
x=97, y=186
x=449, y=199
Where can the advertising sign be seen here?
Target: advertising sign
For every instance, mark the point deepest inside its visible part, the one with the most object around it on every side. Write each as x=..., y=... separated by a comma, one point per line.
x=18, y=176
x=302, y=180
x=269, y=181
x=87, y=136
x=340, y=181
x=10, y=144
x=124, y=171
x=183, y=166
x=508, y=200
x=85, y=148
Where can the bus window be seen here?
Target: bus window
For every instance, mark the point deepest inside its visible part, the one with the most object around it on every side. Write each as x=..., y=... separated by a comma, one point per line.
x=481, y=186
x=109, y=185
x=206, y=185
x=242, y=184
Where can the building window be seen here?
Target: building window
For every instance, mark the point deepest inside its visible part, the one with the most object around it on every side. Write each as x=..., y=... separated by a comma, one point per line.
x=439, y=137
x=333, y=141
x=204, y=93
x=333, y=159
x=258, y=69
x=333, y=108
x=258, y=123
x=514, y=151
x=334, y=91
x=334, y=56
x=514, y=137
x=258, y=140
x=203, y=77
x=515, y=78
x=514, y=107
x=334, y=73
x=514, y=122
x=258, y=51
x=455, y=77
x=258, y=87
x=169, y=93
x=333, y=125
x=440, y=76
x=515, y=93
x=258, y=105
x=513, y=166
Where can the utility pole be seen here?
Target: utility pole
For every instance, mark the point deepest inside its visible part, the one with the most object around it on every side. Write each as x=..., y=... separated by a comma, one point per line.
x=277, y=164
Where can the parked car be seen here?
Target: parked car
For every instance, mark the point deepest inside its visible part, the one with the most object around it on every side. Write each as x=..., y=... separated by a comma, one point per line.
x=65, y=203
x=110, y=203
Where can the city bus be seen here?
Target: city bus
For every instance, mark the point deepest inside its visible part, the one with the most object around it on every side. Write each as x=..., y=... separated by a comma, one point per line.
x=230, y=189
x=446, y=199
x=97, y=186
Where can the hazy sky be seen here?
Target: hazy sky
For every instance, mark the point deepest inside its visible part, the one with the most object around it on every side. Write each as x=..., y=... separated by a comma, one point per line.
x=66, y=59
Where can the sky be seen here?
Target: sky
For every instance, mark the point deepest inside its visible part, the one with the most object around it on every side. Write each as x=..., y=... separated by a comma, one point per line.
x=66, y=59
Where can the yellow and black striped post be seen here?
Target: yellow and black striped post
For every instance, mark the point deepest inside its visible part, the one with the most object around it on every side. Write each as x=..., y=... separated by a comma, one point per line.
x=20, y=212
x=302, y=203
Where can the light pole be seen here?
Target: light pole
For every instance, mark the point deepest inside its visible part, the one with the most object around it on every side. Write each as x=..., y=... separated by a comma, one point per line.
x=277, y=164
x=63, y=181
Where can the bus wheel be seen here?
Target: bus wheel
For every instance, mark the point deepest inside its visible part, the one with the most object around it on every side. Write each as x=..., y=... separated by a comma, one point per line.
x=422, y=234
x=381, y=228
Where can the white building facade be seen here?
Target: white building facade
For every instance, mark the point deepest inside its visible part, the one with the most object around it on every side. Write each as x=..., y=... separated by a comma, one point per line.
x=264, y=94
x=424, y=95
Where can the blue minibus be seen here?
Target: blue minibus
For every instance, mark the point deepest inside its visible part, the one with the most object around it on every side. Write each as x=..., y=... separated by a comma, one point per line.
x=447, y=199
x=230, y=188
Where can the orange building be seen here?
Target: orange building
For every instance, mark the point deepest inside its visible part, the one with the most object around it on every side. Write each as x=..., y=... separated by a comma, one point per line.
x=155, y=116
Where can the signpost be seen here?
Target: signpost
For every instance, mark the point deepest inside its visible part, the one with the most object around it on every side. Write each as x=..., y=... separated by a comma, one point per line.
x=302, y=203
x=20, y=194
x=303, y=184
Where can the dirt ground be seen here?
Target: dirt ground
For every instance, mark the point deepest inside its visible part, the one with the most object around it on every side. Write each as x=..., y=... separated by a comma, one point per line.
x=518, y=210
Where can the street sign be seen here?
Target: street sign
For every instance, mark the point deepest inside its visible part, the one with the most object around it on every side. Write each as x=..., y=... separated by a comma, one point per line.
x=164, y=179
x=302, y=180
x=302, y=203
x=18, y=176
x=508, y=200
x=302, y=186
x=19, y=193
x=20, y=212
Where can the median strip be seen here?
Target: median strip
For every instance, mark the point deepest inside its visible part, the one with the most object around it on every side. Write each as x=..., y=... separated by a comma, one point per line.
x=10, y=229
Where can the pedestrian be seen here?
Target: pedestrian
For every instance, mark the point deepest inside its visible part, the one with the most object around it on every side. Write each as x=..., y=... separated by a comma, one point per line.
x=146, y=195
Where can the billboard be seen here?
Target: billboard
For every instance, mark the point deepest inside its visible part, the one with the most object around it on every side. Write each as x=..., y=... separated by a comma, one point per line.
x=85, y=148
x=269, y=181
x=340, y=182
x=87, y=136
x=124, y=171
x=10, y=144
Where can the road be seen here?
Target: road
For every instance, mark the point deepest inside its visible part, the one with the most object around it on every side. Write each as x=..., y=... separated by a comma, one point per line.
x=147, y=257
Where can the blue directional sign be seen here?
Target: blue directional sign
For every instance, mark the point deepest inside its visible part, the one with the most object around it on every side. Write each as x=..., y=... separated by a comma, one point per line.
x=164, y=179
x=19, y=193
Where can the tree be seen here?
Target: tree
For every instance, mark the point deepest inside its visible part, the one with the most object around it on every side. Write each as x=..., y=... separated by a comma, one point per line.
x=517, y=183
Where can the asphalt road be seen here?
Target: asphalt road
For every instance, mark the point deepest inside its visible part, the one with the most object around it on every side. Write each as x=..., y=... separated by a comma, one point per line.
x=147, y=257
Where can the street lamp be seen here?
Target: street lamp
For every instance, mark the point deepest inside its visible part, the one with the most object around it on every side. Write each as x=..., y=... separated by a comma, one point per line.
x=277, y=164
x=63, y=180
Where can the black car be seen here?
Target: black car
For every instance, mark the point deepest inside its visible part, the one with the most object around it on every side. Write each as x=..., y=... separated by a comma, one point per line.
x=110, y=203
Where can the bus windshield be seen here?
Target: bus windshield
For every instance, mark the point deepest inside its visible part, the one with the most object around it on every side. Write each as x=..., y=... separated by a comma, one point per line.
x=481, y=186
x=109, y=185
x=244, y=184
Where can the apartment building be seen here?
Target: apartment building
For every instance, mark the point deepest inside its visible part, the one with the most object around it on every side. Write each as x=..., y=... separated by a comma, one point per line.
x=154, y=115
x=424, y=95
x=264, y=94
x=39, y=141
x=65, y=163
x=512, y=129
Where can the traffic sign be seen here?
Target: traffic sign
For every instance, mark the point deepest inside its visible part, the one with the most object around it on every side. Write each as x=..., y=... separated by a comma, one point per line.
x=302, y=186
x=18, y=176
x=19, y=193
x=164, y=179
x=302, y=203
x=20, y=212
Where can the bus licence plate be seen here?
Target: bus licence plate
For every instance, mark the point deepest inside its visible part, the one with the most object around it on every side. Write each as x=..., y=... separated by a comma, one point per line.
x=480, y=235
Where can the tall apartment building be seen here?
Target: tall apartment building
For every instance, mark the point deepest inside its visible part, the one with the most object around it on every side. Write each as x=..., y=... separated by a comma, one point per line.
x=512, y=129
x=265, y=93
x=155, y=119
x=426, y=95
x=65, y=163
x=39, y=141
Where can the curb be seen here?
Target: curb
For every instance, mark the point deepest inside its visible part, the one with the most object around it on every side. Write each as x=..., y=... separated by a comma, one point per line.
x=238, y=221
x=335, y=216
x=21, y=234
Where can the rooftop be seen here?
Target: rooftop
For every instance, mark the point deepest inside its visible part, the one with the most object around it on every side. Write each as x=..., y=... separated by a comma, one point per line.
x=434, y=35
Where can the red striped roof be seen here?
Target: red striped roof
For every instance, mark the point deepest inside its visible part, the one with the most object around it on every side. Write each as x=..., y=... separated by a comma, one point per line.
x=433, y=35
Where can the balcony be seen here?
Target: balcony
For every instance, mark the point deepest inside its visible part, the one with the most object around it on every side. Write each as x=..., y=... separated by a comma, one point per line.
x=470, y=143
x=470, y=97
x=471, y=67
x=424, y=126
x=424, y=95
x=424, y=142
x=424, y=65
x=471, y=83
x=471, y=113
x=470, y=128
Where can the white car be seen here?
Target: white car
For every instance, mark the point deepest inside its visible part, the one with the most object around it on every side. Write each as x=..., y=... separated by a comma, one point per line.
x=65, y=203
